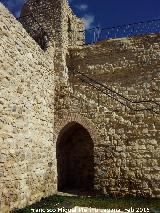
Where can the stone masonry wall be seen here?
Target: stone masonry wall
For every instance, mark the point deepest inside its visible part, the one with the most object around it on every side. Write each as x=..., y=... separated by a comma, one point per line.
x=57, y=19
x=127, y=159
x=73, y=27
x=33, y=111
x=130, y=66
x=27, y=151
x=126, y=154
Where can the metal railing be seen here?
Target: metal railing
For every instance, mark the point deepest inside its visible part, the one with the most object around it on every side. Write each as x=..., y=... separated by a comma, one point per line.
x=137, y=106
x=35, y=30
x=140, y=28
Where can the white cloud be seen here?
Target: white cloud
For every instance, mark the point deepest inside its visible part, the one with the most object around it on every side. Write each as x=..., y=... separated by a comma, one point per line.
x=17, y=14
x=82, y=7
x=88, y=21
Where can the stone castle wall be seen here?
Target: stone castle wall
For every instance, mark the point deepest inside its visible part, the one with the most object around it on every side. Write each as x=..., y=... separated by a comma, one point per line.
x=58, y=20
x=27, y=151
x=126, y=147
x=127, y=155
x=130, y=66
x=34, y=111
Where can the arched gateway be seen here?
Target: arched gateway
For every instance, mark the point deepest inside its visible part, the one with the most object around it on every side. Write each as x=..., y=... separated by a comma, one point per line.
x=75, y=159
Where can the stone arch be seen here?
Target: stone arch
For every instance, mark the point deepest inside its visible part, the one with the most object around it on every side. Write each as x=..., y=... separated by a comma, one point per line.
x=75, y=154
x=83, y=121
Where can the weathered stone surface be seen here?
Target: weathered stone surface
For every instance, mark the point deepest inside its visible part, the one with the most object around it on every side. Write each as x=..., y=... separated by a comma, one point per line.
x=27, y=117
x=134, y=137
x=38, y=99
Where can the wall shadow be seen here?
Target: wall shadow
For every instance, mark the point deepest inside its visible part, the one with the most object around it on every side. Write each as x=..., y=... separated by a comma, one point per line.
x=75, y=160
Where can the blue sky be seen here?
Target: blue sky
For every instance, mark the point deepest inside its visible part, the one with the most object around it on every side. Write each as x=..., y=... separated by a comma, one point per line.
x=105, y=13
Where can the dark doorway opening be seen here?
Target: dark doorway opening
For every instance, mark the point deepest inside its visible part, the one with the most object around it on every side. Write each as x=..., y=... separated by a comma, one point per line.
x=75, y=160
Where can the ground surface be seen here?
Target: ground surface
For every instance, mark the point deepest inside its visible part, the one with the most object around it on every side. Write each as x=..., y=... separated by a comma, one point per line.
x=69, y=202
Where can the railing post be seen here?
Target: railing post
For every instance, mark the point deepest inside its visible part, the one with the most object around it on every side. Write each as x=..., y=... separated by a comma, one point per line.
x=126, y=30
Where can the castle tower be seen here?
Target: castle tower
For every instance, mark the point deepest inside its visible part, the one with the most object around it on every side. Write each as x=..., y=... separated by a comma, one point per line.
x=56, y=19
x=52, y=22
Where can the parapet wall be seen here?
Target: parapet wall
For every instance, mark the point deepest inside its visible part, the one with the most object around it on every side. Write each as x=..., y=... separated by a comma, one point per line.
x=27, y=151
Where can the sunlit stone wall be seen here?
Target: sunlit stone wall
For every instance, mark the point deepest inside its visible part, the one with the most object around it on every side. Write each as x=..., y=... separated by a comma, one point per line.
x=27, y=151
x=127, y=159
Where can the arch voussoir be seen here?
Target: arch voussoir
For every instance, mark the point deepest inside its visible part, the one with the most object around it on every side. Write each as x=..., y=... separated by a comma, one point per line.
x=83, y=121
